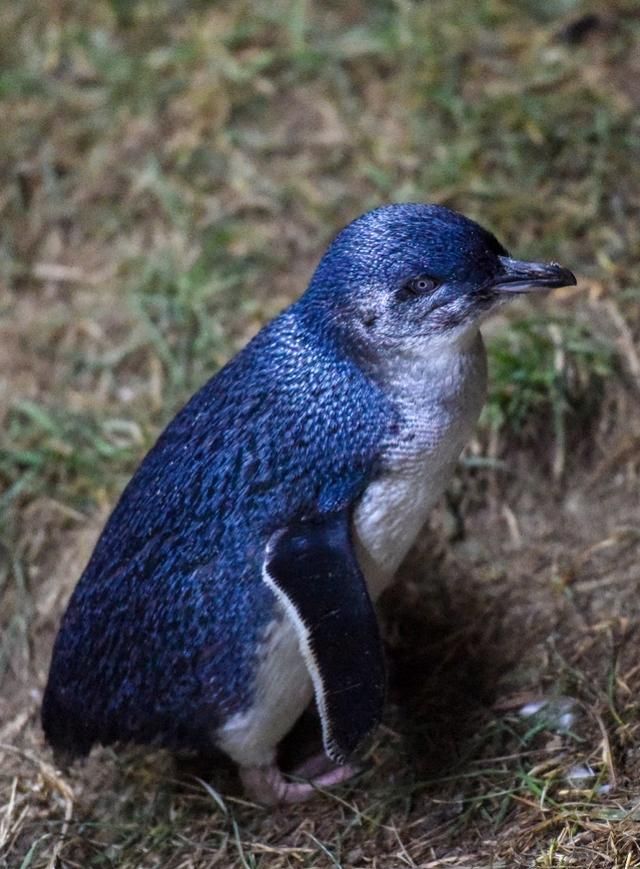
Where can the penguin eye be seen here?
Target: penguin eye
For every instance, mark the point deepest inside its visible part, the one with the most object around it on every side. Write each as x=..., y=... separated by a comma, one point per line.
x=422, y=284
x=418, y=286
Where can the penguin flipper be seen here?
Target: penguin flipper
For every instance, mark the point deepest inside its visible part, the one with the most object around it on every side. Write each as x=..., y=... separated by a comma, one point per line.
x=312, y=569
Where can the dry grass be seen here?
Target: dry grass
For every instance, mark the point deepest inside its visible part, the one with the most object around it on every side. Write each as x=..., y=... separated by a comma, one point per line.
x=169, y=174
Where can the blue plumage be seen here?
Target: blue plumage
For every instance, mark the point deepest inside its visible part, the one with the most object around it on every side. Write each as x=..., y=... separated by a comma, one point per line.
x=159, y=637
x=237, y=572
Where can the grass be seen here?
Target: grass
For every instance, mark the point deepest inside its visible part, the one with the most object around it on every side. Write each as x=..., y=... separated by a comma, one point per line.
x=548, y=378
x=169, y=175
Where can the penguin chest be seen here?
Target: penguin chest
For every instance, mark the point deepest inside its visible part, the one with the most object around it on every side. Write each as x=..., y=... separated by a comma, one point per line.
x=438, y=413
x=394, y=508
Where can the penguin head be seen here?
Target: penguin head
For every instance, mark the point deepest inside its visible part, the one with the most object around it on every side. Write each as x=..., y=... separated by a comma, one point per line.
x=415, y=277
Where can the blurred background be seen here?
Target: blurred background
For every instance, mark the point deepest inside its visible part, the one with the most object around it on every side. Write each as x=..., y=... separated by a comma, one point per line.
x=170, y=173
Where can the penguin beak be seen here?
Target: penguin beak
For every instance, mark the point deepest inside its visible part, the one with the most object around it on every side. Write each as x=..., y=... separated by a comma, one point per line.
x=523, y=277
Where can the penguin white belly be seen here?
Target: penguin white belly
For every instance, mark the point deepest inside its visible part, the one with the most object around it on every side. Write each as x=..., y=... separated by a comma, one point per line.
x=390, y=515
x=283, y=691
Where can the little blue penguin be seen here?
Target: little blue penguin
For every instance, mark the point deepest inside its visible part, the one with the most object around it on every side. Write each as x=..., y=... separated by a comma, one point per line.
x=235, y=580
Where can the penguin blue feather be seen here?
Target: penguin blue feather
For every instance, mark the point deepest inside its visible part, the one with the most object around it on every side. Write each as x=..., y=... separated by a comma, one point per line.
x=178, y=566
x=237, y=574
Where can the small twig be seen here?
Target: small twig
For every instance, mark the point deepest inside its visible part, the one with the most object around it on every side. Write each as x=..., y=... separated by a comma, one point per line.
x=60, y=273
x=14, y=727
x=606, y=750
x=512, y=525
x=5, y=824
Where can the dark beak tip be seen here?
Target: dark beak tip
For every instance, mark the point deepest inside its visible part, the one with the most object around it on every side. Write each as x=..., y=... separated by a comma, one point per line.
x=563, y=274
x=522, y=277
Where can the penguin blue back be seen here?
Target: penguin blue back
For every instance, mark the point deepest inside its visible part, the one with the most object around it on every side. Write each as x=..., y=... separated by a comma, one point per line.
x=159, y=638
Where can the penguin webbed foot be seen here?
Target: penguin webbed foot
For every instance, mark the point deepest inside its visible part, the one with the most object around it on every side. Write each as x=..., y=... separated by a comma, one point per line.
x=269, y=786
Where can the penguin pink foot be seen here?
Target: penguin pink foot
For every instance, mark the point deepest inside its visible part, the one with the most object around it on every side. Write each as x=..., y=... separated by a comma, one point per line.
x=268, y=786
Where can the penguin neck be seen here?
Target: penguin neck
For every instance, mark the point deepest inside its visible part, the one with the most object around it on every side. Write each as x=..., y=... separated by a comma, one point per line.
x=436, y=366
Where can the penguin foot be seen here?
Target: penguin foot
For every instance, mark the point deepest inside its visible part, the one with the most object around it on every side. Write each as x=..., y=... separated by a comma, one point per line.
x=267, y=785
x=318, y=765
